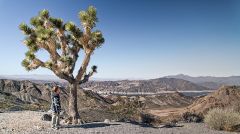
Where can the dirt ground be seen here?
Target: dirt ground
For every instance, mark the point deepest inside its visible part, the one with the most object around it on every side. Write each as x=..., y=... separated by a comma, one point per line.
x=29, y=122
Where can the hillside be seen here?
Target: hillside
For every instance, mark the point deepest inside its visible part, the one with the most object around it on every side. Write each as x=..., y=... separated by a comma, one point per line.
x=225, y=97
x=171, y=100
x=35, y=93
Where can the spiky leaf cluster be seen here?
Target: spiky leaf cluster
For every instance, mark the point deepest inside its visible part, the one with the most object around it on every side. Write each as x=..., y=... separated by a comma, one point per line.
x=37, y=22
x=76, y=33
x=94, y=68
x=25, y=29
x=97, y=38
x=25, y=63
x=57, y=22
x=89, y=17
x=44, y=13
x=30, y=55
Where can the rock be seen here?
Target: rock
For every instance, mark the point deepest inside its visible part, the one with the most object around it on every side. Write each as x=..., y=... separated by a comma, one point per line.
x=107, y=121
x=39, y=127
x=46, y=117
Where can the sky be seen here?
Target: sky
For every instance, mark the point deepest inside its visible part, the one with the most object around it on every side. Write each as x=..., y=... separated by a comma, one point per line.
x=143, y=39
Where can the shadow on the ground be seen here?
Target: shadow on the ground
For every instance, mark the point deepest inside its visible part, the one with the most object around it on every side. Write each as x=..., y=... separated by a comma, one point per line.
x=145, y=125
x=89, y=125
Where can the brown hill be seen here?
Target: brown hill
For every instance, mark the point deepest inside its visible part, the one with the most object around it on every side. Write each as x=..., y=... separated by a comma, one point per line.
x=170, y=100
x=226, y=96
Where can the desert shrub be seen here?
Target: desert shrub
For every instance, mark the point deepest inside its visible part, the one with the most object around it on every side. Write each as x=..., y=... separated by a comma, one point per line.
x=222, y=119
x=4, y=105
x=144, y=119
x=192, y=117
x=147, y=118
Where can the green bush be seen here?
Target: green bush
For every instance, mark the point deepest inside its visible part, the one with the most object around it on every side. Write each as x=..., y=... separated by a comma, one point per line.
x=222, y=119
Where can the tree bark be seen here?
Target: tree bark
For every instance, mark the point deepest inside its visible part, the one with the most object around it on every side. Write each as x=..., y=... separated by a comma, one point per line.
x=73, y=109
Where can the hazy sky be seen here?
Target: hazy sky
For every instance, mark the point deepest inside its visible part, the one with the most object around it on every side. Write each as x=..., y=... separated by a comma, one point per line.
x=144, y=39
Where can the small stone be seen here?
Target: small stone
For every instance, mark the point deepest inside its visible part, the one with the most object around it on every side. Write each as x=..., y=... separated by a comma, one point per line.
x=107, y=121
x=39, y=127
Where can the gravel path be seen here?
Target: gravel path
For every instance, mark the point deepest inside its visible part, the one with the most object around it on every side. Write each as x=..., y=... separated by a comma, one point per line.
x=29, y=122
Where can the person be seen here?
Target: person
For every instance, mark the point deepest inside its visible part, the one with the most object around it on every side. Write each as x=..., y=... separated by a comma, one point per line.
x=55, y=107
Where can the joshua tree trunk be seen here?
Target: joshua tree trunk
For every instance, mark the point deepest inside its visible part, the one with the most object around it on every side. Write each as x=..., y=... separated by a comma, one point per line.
x=73, y=111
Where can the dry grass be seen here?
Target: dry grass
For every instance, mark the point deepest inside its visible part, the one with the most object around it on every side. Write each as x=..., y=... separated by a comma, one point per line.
x=222, y=119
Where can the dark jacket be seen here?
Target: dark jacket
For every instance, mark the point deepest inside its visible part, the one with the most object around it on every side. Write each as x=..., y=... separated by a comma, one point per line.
x=56, y=104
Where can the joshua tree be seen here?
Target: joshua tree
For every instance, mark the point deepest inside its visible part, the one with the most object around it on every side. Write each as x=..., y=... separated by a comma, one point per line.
x=63, y=42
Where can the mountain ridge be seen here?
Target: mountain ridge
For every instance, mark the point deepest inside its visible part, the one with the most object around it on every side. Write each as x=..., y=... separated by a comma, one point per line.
x=209, y=81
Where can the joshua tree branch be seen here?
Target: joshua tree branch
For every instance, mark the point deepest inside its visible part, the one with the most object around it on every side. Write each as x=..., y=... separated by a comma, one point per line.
x=83, y=67
x=86, y=77
x=64, y=76
x=36, y=63
x=61, y=37
x=75, y=58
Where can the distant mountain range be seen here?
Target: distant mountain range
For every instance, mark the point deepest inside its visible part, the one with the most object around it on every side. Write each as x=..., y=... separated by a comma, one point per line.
x=35, y=77
x=39, y=77
x=149, y=85
x=209, y=81
x=152, y=85
x=136, y=86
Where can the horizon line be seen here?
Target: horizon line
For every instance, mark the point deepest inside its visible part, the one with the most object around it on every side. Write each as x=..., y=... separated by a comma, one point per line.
x=129, y=78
